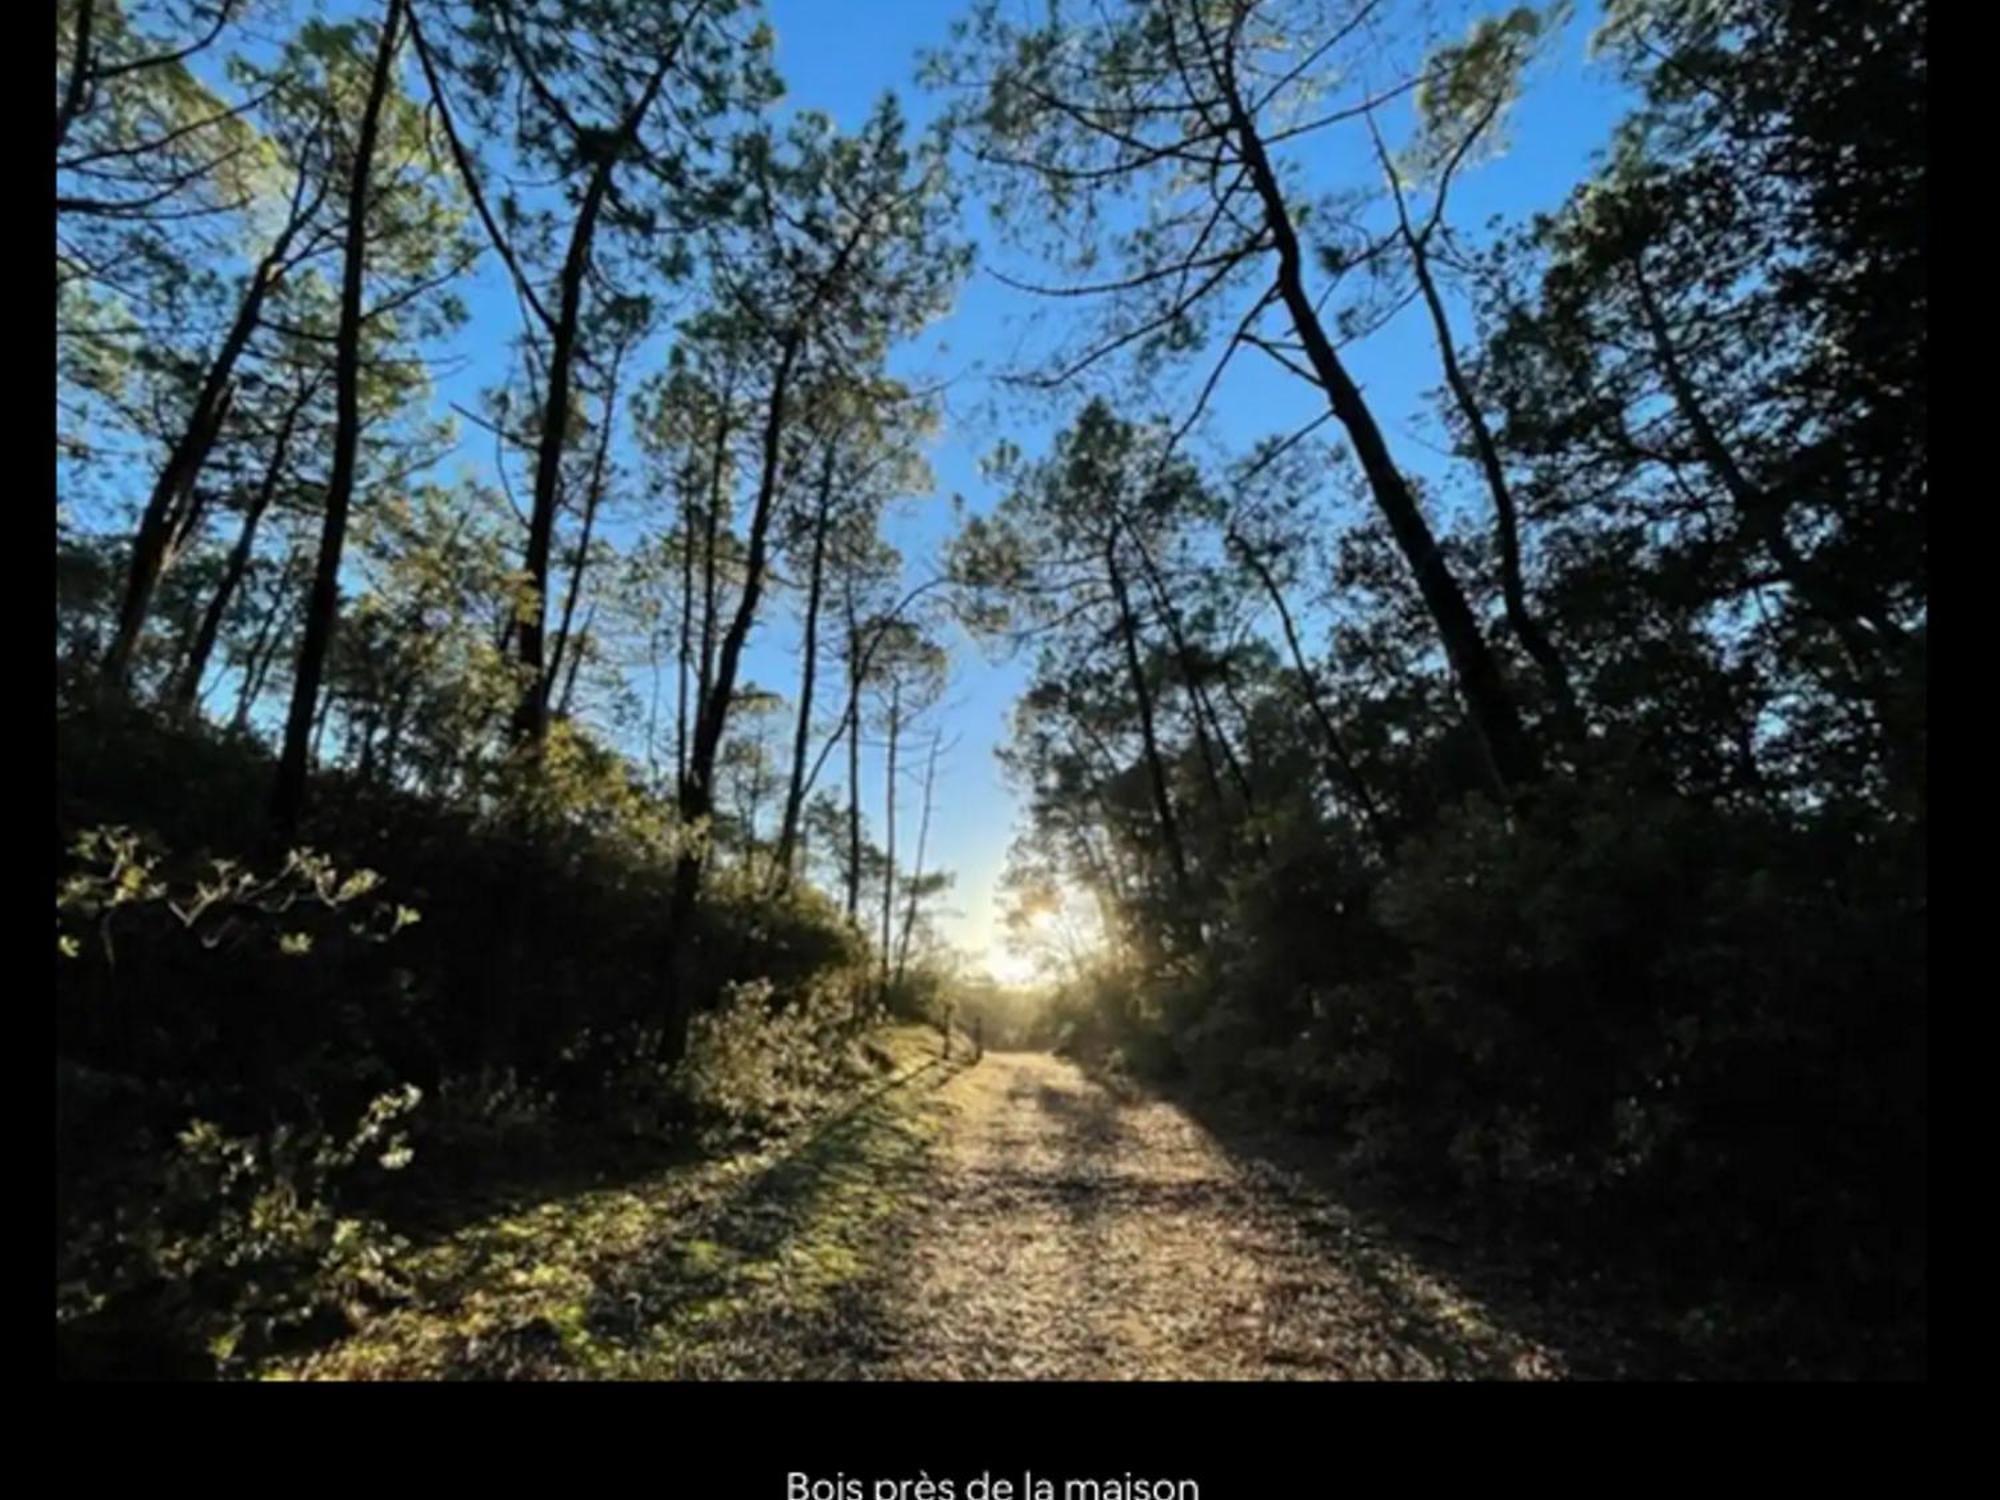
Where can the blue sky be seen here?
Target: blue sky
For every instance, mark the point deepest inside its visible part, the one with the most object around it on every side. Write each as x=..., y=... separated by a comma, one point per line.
x=838, y=56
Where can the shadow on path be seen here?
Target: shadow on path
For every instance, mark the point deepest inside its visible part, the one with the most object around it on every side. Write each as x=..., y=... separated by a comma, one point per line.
x=1420, y=1263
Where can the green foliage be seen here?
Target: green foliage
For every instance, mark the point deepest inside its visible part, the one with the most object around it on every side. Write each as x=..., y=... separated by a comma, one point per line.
x=241, y=1041
x=1659, y=1002
x=214, y=1035
x=757, y=1063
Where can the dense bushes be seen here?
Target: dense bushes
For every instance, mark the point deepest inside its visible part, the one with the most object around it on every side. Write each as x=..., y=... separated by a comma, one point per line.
x=251, y=1048
x=1550, y=821
x=1686, y=1043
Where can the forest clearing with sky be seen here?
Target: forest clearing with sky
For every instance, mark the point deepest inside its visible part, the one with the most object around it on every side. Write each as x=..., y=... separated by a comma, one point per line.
x=991, y=689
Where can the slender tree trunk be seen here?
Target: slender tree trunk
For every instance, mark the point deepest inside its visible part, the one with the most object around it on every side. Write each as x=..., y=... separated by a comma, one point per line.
x=795, y=791
x=288, y=800
x=320, y=721
x=576, y=655
x=714, y=712
x=1514, y=592
x=683, y=662
x=1344, y=777
x=264, y=645
x=593, y=496
x=853, y=766
x=1764, y=512
x=711, y=609
x=165, y=523
x=917, y=869
x=1163, y=802
x=1201, y=712
x=531, y=722
x=889, y=834
x=187, y=689
x=653, y=706
x=1476, y=671
x=698, y=798
x=1207, y=722
x=171, y=506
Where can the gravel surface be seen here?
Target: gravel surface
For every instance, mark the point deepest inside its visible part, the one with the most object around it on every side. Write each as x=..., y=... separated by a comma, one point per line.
x=1068, y=1235
x=1009, y=1220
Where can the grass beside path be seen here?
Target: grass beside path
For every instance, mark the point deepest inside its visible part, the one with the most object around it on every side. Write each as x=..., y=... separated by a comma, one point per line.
x=680, y=1274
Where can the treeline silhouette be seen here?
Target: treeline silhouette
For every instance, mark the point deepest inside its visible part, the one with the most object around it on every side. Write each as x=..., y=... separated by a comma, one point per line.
x=1547, y=831
x=407, y=820
x=1551, y=832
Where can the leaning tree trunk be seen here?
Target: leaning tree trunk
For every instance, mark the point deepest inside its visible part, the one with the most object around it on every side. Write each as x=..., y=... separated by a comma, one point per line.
x=170, y=508
x=1473, y=664
x=1513, y=587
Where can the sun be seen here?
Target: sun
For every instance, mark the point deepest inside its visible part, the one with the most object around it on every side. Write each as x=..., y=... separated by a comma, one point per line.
x=1010, y=966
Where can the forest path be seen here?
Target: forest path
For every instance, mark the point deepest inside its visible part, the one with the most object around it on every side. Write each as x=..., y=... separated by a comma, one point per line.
x=1068, y=1234
x=1008, y=1219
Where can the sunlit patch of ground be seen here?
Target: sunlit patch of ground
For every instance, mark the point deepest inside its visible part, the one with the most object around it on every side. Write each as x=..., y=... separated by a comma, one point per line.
x=1012, y=1220
x=683, y=1274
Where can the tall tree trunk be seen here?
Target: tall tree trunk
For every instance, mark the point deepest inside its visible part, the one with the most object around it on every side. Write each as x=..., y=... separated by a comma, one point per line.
x=854, y=670
x=698, y=798
x=684, y=659
x=593, y=496
x=165, y=525
x=714, y=710
x=170, y=507
x=1858, y=628
x=795, y=791
x=711, y=608
x=531, y=721
x=288, y=800
x=1476, y=671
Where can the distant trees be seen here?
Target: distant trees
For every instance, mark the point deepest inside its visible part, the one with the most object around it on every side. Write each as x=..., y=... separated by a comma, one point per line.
x=857, y=233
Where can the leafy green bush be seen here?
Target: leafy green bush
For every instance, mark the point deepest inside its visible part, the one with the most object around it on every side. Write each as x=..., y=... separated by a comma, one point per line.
x=216, y=1100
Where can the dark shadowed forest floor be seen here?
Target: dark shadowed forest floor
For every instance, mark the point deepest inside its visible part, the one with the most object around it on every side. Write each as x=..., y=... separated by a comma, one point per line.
x=1010, y=1220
